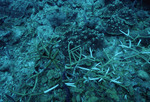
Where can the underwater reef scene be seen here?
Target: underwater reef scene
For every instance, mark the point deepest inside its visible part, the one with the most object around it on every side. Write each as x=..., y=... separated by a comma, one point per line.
x=74, y=51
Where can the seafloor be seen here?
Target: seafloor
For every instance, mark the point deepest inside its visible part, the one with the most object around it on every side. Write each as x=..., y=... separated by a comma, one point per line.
x=74, y=51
